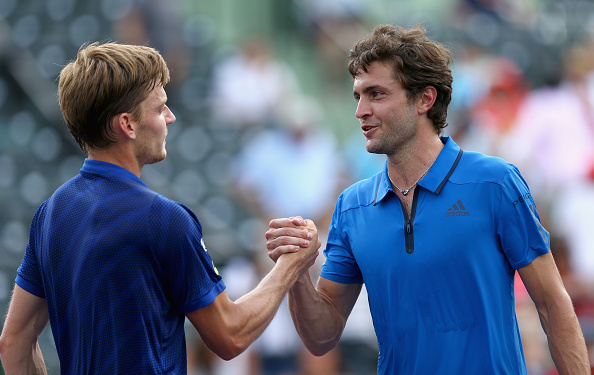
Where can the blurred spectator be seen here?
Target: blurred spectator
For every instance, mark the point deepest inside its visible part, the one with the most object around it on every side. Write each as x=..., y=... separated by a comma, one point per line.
x=472, y=82
x=328, y=364
x=492, y=114
x=358, y=344
x=273, y=176
x=272, y=173
x=553, y=142
x=335, y=25
x=547, y=148
x=155, y=23
x=362, y=164
x=240, y=277
x=249, y=85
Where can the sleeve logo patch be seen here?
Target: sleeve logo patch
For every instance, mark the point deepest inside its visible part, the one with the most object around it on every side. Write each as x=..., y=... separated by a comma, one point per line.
x=212, y=262
x=524, y=198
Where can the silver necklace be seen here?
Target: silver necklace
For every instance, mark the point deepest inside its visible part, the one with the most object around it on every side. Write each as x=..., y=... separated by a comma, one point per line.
x=406, y=191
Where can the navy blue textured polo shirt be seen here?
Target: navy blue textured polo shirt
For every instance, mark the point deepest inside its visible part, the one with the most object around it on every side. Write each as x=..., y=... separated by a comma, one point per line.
x=119, y=266
x=440, y=283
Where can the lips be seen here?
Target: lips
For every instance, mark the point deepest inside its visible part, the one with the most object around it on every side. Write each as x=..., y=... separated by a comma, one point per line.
x=368, y=129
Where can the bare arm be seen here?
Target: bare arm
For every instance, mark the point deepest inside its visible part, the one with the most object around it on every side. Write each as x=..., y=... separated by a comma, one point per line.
x=557, y=316
x=319, y=314
x=19, y=349
x=228, y=327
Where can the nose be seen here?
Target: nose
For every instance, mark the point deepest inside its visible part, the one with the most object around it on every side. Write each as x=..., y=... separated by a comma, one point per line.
x=363, y=109
x=170, y=118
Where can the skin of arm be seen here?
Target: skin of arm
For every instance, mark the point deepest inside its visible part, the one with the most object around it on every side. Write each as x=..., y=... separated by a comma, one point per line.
x=229, y=327
x=557, y=316
x=319, y=313
x=19, y=349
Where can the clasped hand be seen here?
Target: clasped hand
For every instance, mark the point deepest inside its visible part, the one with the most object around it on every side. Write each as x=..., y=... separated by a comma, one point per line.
x=292, y=235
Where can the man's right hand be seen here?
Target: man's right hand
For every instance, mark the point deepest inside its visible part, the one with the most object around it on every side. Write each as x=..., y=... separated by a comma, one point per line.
x=290, y=235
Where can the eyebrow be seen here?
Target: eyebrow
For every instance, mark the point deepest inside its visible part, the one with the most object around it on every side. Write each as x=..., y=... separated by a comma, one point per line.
x=369, y=89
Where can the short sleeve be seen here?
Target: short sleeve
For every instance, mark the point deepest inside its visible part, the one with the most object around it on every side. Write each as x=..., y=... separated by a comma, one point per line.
x=340, y=265
x=521, y=234
x=29, y=274
x=190, y=274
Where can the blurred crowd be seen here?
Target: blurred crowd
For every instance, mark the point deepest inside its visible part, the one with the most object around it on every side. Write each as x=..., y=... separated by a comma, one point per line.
x=253, y=143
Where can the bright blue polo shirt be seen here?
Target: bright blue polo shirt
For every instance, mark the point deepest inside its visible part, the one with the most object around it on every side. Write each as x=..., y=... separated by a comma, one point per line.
x=440, y=284
x=119, y=266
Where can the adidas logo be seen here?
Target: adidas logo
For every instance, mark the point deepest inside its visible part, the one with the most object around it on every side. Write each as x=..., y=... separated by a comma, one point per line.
x=457, y=209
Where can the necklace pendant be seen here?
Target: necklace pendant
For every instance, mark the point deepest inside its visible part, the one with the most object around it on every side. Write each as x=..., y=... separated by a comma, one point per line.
x=404, y=192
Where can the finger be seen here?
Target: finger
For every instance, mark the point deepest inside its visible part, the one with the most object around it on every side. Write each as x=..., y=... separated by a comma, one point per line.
x=273, y=243
x=310, y=225
x=295, y=221
x=298, y=221
x=281, y=250
x=273, y=233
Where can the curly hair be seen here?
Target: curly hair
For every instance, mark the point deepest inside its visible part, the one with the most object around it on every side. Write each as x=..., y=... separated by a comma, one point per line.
x=416, y=60
x=104, y=81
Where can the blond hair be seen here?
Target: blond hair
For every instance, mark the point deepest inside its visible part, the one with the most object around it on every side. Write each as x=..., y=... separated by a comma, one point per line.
x=104, y=81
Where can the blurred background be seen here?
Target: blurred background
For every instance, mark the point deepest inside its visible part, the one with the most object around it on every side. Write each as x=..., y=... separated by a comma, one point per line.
x=266, y=128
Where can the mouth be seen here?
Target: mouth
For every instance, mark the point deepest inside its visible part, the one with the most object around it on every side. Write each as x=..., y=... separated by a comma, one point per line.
x=367, y=129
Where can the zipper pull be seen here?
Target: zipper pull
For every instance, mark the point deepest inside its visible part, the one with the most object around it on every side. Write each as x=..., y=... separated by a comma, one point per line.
x=408, y=227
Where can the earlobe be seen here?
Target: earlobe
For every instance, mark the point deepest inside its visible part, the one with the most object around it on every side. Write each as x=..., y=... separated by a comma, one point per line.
x=427, y=99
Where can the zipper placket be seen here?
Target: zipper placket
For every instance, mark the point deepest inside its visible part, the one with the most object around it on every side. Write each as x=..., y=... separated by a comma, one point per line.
x=409, y=238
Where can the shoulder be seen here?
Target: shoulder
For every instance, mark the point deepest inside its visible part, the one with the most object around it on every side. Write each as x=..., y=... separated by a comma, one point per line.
x=362, y=193
x=173, y=214
x=478, y=167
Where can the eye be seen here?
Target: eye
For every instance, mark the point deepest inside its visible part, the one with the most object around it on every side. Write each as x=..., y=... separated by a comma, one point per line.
x=357, y=98
x=376, y=94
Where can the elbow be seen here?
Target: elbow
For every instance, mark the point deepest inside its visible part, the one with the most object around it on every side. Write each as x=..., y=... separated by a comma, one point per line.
x=2, y=346
x=558, y=308
x=228, y=349
x=318, y=349
x=318, y=352
x=5, y=347
x=230, y=353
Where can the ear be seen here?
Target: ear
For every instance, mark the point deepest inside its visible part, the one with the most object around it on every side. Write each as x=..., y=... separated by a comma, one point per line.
x=124, y=125
x=427, y=99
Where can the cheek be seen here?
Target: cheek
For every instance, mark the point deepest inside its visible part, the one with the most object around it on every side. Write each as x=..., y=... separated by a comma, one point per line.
x=157, y=128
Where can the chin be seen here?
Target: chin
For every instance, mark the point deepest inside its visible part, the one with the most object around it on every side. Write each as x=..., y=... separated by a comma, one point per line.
x=373, y=149
x=157, y=159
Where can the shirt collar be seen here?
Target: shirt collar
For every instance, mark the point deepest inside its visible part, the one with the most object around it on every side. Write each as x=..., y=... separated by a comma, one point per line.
x=436, y=177
x=102, y=167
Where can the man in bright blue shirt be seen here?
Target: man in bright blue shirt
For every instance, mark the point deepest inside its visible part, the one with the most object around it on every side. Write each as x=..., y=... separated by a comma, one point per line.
x=436, y=237
x=113, y=266
x=443, y=258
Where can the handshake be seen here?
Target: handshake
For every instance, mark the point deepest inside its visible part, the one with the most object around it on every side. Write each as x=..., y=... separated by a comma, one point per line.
x=296, y=237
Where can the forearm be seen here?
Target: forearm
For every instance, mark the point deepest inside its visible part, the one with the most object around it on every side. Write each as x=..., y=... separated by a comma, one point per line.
x=19, y=348
x=317, y=321
x=228, y=328
x=565, y=338
x=257, y=308
x=20, y=357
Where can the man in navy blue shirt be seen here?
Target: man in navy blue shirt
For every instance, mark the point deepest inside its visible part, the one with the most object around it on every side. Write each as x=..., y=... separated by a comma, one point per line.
x=113, y=266
x=436, y=237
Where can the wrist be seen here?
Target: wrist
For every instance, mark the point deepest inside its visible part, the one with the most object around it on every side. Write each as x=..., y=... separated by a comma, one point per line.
x=288, y=267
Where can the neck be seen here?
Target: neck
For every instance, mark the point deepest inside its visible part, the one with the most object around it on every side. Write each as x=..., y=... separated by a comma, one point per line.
x=406, y=169
x=121, y=156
